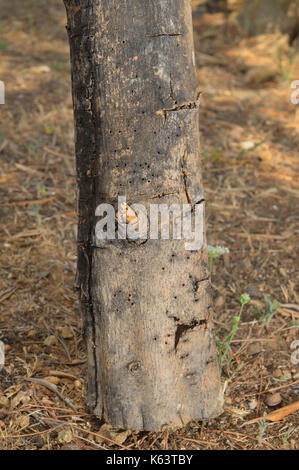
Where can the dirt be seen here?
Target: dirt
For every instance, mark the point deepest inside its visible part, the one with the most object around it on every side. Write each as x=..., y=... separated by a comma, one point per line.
x=250, y=135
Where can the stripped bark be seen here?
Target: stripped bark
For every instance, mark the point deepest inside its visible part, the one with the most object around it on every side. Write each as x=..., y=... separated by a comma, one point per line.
x=146, y=306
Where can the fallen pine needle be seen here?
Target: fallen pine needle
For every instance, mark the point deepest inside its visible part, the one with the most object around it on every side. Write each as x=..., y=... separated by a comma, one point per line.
x=258, y=236
x=275, y=388
x=238, y=434
x=37, y=433
x=28, y=233
x=70, y=214
x=199, y=441
x=58, y=373
x=28, y=203
x=5, y=295
x=57, y=154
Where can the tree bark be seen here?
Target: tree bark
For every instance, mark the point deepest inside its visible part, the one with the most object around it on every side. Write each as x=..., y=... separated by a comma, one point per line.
x=146, y=306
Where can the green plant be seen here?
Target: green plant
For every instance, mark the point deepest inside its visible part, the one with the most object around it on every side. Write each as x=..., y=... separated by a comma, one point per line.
x=233, y=375
x=214, y=252
x=263, y=426
x=215, y=155
x=32, y=148
x=3, y=45
x=58, y=66
x=41, y=189
x=252, y=149
x=224, y=351
x=35, y=212
x=270, y=310
x=287, y=435
x=285, y=66
x=31, y=21
x=49, y=130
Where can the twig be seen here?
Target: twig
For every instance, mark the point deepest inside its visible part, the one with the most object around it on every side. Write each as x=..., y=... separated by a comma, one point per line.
x=290, y=306
x=87, y=431
x=64, y=347
x=199, y=441
x=273, y=389
x=53, y=388
x=238, y=434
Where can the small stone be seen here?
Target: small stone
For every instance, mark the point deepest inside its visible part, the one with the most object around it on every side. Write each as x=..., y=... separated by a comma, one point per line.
x=247, y=145
x=51, y=341
x=253, y=291
x=273, y=399
x=254, y=348
x=286, y=375
x=67, y=332
x=112, y=433
x=40, y=69
x=32, y=333
x=65, y=436
x=253, y=404
x=121, y=437
x=219, y=302
x=277, y=373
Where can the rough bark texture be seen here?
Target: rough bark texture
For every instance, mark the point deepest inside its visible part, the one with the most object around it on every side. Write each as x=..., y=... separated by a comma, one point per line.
x=147, y=306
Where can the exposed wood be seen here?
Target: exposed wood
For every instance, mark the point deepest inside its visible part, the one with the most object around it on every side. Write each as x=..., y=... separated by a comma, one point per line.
x=146, y=306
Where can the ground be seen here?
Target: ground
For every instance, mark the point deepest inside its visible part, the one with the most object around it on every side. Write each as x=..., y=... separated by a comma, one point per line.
x=249, y=143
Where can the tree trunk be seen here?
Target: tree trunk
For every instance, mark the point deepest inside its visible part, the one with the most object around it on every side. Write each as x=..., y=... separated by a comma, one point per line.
x=146, y=305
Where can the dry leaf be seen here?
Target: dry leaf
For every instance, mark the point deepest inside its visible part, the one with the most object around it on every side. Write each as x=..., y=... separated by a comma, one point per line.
x=20, y=397
x=67, y=332
x=279, y=414
x=23, y=421
x=4, y=402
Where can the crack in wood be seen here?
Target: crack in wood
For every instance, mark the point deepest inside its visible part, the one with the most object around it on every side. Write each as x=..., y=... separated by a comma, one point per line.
x=185, y=176
x=183, y=328
x=159, y=35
